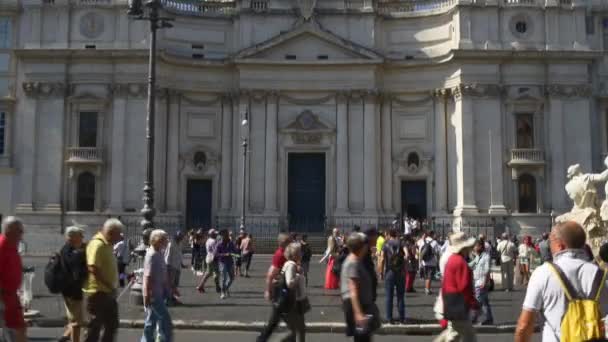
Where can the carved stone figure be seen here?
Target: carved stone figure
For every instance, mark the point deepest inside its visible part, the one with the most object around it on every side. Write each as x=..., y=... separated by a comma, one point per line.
x=581, y=189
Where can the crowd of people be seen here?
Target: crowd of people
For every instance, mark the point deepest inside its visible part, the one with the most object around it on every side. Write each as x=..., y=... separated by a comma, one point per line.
x=563, y=279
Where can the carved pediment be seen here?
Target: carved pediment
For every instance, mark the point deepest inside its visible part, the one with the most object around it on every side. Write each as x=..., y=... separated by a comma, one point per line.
x=307, y=42
x=308, y=121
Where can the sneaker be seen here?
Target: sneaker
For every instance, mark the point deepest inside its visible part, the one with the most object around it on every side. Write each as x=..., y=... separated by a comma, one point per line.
x=201, y=290
x=223, y=296
x=428, y=292
x=403, y=321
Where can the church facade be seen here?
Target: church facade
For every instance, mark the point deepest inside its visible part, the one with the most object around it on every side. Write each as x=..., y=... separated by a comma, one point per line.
x=460, y=111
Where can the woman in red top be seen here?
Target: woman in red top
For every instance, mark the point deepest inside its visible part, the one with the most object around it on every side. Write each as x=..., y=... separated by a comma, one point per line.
x=457, y=292
x=10, y=277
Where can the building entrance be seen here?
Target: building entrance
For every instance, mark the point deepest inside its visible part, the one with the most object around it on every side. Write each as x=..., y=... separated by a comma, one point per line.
x=198, y=212
x=306, y=192
x=413, y=199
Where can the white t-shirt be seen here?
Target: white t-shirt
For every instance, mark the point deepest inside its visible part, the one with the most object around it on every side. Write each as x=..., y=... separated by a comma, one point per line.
x=545, y=294
x=407, y=229
x=211, y=246
x=291, y=276
x=436, y=251
x=507, y=250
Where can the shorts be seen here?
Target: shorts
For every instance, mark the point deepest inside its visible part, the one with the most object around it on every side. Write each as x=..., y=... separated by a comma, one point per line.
x=13, y=312
x=74, y=309
x=429, y=272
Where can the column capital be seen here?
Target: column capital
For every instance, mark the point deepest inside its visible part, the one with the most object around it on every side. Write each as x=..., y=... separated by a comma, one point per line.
x=568, y=91
x=44, y=89
x=476, y=90
x=441, y=92
x=371, y=95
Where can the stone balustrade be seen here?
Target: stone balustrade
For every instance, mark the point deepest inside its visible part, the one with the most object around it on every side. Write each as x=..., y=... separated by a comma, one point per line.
x=85, y=155
x=521, y=2
x=198, y=8
x=391, y=7
x=527, y=156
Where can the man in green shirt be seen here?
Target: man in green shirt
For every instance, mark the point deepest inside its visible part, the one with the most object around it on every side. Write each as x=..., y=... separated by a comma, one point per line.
x=102, y=281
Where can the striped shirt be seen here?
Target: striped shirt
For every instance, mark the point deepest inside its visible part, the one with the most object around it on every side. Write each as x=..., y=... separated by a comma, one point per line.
x=481, y=267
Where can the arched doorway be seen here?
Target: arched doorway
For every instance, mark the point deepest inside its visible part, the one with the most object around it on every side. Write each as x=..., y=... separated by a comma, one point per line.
x=85, y=192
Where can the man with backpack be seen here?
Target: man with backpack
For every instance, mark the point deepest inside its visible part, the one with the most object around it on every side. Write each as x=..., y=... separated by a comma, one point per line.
x=569, y=292
x=429, y=251
x=392, y=270
x=72, y=275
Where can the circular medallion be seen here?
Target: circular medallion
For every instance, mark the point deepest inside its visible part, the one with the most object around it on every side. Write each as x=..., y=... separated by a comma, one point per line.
x=91, y=25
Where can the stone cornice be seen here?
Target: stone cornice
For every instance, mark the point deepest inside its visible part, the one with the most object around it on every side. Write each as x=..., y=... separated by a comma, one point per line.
x=44, y=89
x=568, y=91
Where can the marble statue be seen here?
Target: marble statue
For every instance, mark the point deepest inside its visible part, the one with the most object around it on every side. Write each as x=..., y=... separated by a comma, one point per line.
x=581, y=189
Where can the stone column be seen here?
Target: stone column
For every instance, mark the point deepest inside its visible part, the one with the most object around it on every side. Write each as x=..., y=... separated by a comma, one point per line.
x=226, y=157
x=173, y=170
x=441, y=190
x=465, y=152
x=556, y=150
x=369, y=154
x=495, y=142
x=27, y=152
x=341, y=154
x=119, y=106
x=270, y=178
x=387, y=159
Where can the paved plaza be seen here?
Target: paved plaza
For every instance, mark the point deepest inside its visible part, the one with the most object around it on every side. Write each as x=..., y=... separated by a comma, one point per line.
x=247, y=305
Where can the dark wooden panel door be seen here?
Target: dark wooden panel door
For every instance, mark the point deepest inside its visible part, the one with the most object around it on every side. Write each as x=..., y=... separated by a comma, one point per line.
x=199, y=201
x=413, y=199
x=306, y=192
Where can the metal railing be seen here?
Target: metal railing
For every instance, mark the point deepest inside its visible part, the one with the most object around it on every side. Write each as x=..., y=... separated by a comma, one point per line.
x=527, y=155
x=520, y=2
x=85, y=154
x=259, y=5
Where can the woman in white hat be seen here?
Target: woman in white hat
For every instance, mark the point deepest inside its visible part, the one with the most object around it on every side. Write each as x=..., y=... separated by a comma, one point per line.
x=457, y=292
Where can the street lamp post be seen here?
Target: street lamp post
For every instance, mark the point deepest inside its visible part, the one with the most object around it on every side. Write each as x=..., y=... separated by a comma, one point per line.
x=245, y=144
x=136, y=11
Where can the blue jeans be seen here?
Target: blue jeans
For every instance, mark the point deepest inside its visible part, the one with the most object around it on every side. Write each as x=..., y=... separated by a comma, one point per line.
x=157, y=314
x=484, y=302
x=394, y=281
x=227, y=274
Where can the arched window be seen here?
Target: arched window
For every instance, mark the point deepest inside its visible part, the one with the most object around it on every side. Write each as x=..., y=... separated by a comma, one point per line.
x=527, y=193
x=85, y=192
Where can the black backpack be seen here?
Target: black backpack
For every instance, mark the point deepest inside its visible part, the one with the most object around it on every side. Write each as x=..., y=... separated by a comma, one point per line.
x=426, y=252
x=397, y=259
x=56, y=274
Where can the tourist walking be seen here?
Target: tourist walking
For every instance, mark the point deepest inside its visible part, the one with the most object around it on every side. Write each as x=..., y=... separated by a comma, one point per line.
x=296, y=282
x=429, y=251
x=525, y=255
x=100, y=287
x=306, y=256
x=247, y=251
x=238, y=255
x=173, y=255
x=278, y=261
x=156, y=290
x=457, y=292
x=211, y=266
x=507, y=251
x=74, y=269
x=569, y=282
x=10, y=279
x=361, y=314
x=331, y=253
x=392, y=269
x=411, y=264
x=481, y=277
x=371, y=236
x=545, y=249
x=123, y=257
x=225, y=251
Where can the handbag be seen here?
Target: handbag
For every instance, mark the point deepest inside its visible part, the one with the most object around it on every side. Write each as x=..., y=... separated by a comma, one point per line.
x=304, y=306
x=491, y=284
x=283, y=298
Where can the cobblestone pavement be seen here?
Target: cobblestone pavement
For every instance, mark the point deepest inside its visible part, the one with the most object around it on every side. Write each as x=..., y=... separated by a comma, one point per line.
x=247, y=303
